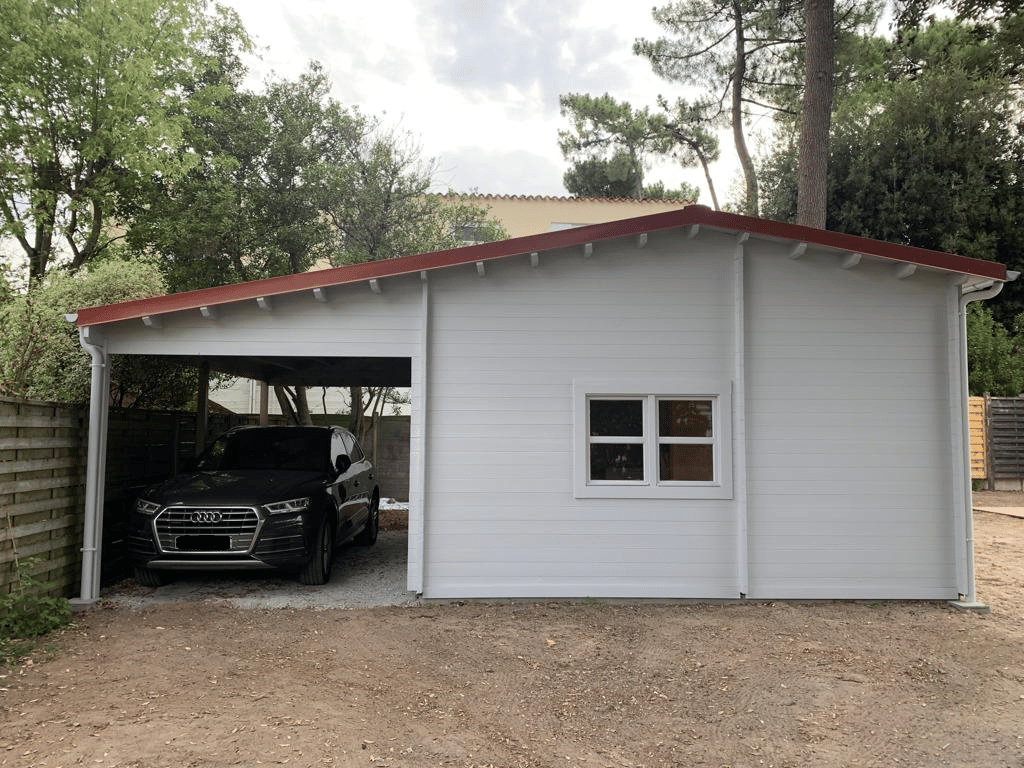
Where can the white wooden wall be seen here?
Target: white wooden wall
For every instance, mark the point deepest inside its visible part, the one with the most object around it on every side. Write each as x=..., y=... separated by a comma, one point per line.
x=353, y=322
x=848, y=438
x=504, y=350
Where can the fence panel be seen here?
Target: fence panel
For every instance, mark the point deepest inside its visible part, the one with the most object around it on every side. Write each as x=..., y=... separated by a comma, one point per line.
x=1006, y=438
x=42, y=491
x=979, y=438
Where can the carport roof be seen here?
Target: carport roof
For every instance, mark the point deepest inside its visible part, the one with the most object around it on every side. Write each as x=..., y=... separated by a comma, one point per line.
x=693, y=216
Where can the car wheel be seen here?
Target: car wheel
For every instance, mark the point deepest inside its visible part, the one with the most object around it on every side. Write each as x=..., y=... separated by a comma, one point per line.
x=318, y=569
x=368, y=536
x=147, y=577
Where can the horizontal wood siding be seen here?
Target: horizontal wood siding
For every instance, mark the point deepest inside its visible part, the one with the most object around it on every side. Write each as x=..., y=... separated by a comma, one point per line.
x=501, y=518
x=42, y=480
x=353, y=322
x=848, y=431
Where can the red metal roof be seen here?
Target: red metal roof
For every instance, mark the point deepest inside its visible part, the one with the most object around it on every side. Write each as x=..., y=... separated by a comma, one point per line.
x=691, y=215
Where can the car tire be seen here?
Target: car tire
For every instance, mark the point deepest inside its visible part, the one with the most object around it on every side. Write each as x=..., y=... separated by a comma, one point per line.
x=368, y=536
x=147, y=577
x=318, y=569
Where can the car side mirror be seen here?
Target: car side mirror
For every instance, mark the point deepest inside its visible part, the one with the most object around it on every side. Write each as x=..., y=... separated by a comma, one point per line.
x=342, y=463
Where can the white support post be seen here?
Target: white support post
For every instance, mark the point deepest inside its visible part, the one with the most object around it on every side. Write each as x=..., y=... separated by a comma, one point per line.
x=95, y=473
x=416, y=546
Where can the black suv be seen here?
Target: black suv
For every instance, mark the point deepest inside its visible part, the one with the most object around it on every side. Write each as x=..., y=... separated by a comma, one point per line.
x=260, y=497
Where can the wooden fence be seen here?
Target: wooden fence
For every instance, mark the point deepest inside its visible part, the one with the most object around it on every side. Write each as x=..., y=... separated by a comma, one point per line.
x=1001, y=444
x=42, y=479
x=979, y=438
x=42, y=491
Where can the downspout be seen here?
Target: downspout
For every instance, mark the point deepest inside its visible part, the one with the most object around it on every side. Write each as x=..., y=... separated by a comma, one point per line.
x=965, y=581
x=92, y=538
x=739, y=422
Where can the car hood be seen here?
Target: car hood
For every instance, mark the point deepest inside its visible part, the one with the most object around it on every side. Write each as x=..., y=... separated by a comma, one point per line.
x=239, y=487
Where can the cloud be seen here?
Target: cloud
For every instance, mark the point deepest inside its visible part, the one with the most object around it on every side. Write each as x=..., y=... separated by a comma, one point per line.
x=476, y=81
x=499, y=172
x=521, y=46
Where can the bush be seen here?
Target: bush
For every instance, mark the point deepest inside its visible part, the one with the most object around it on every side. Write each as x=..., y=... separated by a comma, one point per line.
x=25, y=613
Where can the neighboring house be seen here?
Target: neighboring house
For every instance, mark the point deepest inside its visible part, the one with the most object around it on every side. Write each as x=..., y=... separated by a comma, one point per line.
x=533, y=214
x=687, y=404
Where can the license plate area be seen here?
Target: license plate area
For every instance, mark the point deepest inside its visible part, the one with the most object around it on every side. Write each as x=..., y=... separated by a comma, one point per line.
x=203, y=542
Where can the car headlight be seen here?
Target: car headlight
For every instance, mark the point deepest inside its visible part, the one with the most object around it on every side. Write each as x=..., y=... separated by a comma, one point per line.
x=288, y=507
x=144, y=507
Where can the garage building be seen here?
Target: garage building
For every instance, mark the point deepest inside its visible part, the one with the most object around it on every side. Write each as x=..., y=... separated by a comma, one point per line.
x=690, y=404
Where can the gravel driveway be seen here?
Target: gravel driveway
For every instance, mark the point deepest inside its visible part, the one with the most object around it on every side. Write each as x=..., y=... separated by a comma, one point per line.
x=363, y=577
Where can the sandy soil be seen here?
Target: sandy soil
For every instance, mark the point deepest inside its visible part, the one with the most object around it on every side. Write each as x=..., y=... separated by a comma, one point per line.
x=201, y=684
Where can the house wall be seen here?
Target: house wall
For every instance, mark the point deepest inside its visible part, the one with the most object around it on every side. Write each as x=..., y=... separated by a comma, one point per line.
x=505, y=349
x=848, y=490
x=848, y=430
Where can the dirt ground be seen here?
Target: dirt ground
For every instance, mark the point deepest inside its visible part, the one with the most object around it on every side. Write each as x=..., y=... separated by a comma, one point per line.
x=568, y=684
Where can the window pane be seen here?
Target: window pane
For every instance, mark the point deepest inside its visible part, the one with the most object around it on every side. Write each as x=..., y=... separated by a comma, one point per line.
x=617, y=461
x=616, y=418
x=694, y=463
x=684, y=418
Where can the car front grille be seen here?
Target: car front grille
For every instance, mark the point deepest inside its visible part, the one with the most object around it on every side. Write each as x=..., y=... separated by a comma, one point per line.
x=207, y=529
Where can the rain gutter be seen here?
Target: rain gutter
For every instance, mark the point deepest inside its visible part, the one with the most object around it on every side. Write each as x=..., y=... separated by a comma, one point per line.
x=962, y=443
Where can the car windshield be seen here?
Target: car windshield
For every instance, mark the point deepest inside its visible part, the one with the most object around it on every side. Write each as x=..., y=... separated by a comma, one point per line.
x=274, y=448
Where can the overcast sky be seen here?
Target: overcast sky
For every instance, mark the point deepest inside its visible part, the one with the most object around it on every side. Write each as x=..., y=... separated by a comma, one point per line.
x=475, y=82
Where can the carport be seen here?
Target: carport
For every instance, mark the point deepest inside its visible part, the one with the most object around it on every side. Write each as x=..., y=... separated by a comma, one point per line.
x=276, y=356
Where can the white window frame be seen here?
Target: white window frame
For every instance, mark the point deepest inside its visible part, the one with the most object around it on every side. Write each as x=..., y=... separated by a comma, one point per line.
x=650, y=391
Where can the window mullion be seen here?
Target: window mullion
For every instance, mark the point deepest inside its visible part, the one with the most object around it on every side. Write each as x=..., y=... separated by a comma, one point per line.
x=653, y=473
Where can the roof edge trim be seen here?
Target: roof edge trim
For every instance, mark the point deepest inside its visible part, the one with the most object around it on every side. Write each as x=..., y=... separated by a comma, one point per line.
x=694, y=216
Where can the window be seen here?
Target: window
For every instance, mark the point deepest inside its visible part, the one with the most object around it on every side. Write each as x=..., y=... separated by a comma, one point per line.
x=653, y=445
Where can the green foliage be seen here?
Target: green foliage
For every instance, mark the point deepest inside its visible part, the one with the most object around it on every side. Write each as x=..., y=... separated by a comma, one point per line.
x=252, y=206
x=994, y=355
x=26, y=613
x=927, y=153
x=89, y=101
x=614, y=177
x=288, y=179
x=609, y=139
x=381, y=205
x=685, y=192
x=745, y=59
x=40, y=354
x=730, y=50
x=608, y=142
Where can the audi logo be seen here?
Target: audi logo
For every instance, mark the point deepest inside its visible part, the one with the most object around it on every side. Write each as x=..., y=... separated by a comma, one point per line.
x=206, y=516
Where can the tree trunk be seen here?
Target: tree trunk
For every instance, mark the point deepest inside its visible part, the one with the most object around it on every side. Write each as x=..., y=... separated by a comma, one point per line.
x=302, y=405
x=819, y=66
x=707, y=175
x=355, y=419
x=751, y=206
x=286, y=404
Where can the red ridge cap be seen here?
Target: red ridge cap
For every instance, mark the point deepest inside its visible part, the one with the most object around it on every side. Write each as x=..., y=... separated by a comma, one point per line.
x=404, y=265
